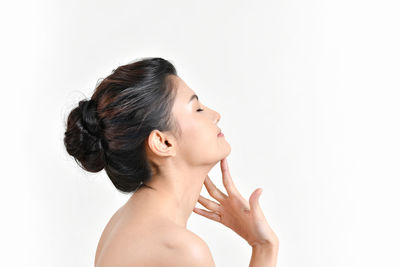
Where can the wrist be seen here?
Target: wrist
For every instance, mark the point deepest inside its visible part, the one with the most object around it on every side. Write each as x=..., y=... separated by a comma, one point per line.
x=266, y=246
x=271, y=242
x=264, y=254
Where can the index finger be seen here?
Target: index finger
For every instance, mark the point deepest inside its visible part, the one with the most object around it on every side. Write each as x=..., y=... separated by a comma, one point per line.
x=213, y=190
x=227, y=179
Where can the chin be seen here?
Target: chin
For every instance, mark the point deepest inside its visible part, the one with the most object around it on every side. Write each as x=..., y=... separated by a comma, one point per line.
x=226, y=151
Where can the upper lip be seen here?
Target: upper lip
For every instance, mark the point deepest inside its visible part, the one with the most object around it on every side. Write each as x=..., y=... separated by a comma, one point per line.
x=219, y=131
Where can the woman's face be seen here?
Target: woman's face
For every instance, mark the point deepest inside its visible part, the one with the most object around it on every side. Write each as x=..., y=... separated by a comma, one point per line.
x=199, y=143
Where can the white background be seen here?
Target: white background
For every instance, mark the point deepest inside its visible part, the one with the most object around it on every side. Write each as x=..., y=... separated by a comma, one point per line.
x=309, y=97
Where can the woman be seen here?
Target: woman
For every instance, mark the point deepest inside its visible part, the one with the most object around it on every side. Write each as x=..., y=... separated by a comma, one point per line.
x=153, y=137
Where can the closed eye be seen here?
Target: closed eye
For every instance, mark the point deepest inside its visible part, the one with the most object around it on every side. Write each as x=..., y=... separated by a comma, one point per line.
x=200, y=109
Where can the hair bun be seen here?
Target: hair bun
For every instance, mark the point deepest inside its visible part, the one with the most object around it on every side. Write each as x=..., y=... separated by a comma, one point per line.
x=83, y=138
x=89, y=116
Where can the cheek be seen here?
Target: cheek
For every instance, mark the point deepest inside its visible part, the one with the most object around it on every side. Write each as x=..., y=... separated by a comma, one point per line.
x=198, y=134
x=198, y=141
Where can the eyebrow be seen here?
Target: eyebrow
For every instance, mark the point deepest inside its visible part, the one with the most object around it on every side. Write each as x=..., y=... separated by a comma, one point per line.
x=193, y=97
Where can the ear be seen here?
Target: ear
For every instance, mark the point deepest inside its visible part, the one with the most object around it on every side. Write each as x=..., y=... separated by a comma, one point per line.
x=161, y=144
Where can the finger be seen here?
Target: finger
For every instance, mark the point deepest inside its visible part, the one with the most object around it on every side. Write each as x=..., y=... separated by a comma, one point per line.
x=253, y=200
x=213, y=190
x=210, y=215
x=227, y=179
x=209, y=204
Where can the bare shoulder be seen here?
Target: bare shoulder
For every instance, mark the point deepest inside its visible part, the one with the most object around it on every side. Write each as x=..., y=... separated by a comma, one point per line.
x=158, y=244
x=188, y=249
x=174, y=246
x=195, y=253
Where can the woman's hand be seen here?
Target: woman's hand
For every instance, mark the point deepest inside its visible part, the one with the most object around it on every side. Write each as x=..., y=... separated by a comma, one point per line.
x=243, y=217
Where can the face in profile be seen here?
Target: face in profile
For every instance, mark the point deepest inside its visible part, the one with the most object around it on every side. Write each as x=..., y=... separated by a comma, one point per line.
x=199, y=143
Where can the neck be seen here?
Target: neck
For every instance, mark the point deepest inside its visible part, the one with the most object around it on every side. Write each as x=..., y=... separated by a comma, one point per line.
x=173, y=194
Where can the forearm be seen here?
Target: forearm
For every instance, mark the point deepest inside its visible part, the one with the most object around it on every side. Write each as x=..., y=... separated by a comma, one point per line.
x=264, y=256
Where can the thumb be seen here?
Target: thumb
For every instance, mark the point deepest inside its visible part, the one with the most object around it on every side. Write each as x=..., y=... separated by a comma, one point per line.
x=253, y=200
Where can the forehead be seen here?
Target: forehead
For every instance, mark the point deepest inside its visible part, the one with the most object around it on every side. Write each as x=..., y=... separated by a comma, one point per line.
x=184, y=92
x=181, y=107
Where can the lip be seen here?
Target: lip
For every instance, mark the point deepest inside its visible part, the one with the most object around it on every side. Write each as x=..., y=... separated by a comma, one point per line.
x=220, y=134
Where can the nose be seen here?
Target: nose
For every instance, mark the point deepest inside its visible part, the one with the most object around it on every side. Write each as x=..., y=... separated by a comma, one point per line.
x=218, y=117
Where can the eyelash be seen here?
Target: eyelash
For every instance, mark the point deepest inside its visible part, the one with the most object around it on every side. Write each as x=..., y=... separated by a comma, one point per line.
x=200, y=109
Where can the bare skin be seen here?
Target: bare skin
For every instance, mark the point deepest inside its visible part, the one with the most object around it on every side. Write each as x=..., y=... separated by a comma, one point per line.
x=150, y=228
x=135, y=236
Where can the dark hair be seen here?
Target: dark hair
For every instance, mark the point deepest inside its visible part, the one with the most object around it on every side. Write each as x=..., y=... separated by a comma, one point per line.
x=109, y=130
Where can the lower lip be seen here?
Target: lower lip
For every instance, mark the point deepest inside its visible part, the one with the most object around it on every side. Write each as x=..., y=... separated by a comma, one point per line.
x=220, y=134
